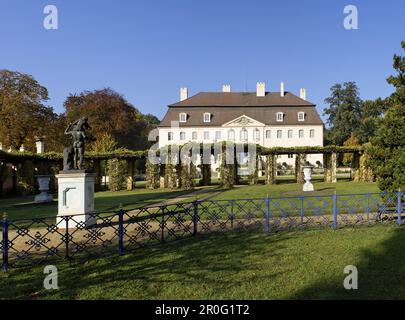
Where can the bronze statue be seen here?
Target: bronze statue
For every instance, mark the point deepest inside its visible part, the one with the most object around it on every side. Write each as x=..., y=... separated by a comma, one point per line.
x=73, y=157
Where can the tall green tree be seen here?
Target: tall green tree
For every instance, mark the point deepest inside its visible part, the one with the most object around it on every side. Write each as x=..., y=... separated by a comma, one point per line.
x=371, y=113
x=23, y=113
x=388, y=147
x=343, y=113
x=110, y=113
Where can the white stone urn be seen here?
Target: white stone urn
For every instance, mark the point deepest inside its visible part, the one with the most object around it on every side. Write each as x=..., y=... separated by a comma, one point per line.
x=308, y=186
x=44, y=196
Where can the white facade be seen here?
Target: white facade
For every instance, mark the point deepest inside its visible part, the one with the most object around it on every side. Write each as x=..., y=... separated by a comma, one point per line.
x=258, y=133
x=268, y=119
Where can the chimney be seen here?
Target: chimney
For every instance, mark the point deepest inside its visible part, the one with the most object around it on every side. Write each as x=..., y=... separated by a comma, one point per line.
x=260, y=89
x=303, y=94
x=226, y=88
x=282, y=89
x=183, y=94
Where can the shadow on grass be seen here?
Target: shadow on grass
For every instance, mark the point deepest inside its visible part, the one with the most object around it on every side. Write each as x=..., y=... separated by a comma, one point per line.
x=381, y=274
x=200, y=267
x=107, y=201
x=113, y=201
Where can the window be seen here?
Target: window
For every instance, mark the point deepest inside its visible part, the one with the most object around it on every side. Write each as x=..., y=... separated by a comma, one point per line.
x=279, y=134
x=170, y=136
x=268, y=134
x=182, y=135
x=231, y=135
x=194, y=135
x=206, y=135
x=256, y=135
x=290, y=134
x=301, y=133
x=312, y=133
x=217, y=135
x=243, y=135
x=243, y=158
x=280, y=116
x=290, y=156
x=183, y=117
x=207, y=117
x=301, y=116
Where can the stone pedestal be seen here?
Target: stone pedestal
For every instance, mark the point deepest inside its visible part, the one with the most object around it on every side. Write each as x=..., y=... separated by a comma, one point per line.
x=308, y=186
x=43, y=183
x=75, y=197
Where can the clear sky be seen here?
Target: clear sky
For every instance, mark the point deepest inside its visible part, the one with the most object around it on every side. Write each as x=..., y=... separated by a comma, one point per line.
x=147, y=50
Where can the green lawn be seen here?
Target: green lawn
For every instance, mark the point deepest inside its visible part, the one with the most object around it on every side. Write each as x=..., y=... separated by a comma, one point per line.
x=234, y=265
x=288, y=189
x=23, y=207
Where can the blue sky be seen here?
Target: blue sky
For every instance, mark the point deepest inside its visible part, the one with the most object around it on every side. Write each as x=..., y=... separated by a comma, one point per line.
x=147, y=50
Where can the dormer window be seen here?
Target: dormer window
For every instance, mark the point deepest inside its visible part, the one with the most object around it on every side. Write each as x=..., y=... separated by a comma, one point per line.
x=280, y=116
x=207, y=117
x=301, y=116
x=183, y=117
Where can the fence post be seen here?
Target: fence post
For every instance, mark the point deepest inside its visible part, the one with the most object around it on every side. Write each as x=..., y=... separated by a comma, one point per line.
x=267, y=214
x=162, y=224
x=368, y=208
x=302, y=210
x=120, y=231
x=399, y=206
x=67, y=237
x=231, y=217
x=195, y=217
x=5, y=243
x=335, y=209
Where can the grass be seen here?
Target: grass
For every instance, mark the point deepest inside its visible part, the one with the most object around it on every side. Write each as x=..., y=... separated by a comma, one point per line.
x=288, y=189
x=24, y=207
x=234, y=265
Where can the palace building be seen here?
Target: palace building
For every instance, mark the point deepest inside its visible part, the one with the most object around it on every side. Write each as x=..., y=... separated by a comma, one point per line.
x=270, y=119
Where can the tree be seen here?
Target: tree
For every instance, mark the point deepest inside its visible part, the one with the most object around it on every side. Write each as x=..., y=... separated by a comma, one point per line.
x=371, y=114
x=387, y=153
x=110, y=113
x=344, y=112
x=151, y=120
x=348, y=157
x=23, y=114
x=105, y=143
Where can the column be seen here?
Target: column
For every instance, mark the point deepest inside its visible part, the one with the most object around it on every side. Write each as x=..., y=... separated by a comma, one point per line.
x=270, y=169
x=300, y=160
x=130, y=174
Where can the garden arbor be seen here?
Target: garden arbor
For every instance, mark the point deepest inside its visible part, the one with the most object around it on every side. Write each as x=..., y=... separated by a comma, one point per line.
x=229, y=171
x=18, y=169
x=330, y=158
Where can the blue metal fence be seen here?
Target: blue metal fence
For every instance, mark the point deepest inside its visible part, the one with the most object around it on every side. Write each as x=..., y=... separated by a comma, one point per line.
x=33, y=241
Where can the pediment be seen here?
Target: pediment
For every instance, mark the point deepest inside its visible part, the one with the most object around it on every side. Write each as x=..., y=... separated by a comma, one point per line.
x=243, y=121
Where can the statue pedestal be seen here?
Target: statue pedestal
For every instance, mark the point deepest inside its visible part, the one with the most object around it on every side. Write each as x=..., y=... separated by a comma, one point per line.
x=75, y=197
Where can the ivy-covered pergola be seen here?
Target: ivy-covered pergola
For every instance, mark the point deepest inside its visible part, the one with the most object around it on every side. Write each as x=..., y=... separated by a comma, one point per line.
x=170, y=176
x=24, y=166
x=179, y=174
x=330, y=156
